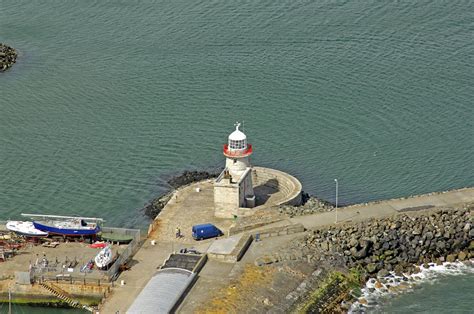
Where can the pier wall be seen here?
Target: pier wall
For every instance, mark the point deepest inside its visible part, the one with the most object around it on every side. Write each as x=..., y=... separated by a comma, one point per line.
x=289, y=187
x=35, y=294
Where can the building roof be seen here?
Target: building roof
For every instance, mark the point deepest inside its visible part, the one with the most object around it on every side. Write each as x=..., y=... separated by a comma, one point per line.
x=237, y=135
x=162, y=292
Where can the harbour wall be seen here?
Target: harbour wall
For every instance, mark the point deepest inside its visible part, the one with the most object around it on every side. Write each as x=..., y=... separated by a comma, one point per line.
x=34, y=294
x=289, y=187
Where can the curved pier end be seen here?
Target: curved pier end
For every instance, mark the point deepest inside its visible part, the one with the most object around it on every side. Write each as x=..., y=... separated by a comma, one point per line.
x=271, y=188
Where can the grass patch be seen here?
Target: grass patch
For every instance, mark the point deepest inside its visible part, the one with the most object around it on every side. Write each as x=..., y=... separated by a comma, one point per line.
x=334, y=289
x=236, y=295
x=317, y=296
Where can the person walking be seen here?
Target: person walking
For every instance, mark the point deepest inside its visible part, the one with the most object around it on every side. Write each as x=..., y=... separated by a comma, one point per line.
x=178, y=233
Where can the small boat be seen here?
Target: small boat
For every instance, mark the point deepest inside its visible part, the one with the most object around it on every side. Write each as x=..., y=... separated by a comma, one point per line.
x=98, y=245
x=87, y=268
x=104, y=257
x=25, y=228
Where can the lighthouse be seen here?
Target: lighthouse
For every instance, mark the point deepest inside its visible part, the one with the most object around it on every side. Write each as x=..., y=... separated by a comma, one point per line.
x=233, y=188
x=237, y=152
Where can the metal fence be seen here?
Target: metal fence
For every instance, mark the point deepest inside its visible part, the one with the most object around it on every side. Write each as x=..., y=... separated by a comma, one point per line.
x=51, y=272
x=129, y=251
x=74, y=280
x=43, y=273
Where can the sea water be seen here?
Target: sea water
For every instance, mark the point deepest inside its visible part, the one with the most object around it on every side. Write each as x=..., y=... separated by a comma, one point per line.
x=434, y=289
x=110, y=98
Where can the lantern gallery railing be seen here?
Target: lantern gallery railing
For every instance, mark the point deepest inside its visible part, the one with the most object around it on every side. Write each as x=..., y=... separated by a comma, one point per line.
x=237, y=153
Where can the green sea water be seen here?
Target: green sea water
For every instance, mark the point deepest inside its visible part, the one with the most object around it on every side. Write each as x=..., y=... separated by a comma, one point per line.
x=110, y=98
x=17, y=309
x=446, y=294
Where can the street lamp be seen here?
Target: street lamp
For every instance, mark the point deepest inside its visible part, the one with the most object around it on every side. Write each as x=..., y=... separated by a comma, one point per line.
x=337, y=186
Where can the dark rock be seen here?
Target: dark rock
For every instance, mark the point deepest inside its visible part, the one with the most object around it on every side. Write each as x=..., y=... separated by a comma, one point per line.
x=462, y=256
x=155, y=207
x=353, y=242
x=376, y=245
x=359, y=254
x=417, y=231
x=8, y=57
x=440, y=245
x=451, y=258
x=383, y=273
x=188, y=177
x=395, y=225
x=388, y=253
x=393, y=244
x=398, y=269
x=371, y=268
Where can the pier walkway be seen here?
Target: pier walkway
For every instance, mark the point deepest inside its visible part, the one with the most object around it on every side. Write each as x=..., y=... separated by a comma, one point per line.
x=379, y=209
x=186, y=208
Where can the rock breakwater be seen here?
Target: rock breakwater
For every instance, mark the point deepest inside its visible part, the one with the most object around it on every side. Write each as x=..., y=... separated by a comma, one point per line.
x=311, y=205
x=387, y=249
x=397, y=243
x=8, y=57
x=188, y=177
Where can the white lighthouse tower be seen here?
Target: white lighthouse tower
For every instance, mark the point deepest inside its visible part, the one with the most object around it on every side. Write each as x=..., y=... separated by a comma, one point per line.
x=237, y=152
x=233, y=188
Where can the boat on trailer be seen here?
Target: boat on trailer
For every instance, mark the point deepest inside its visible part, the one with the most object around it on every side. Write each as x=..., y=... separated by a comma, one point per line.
x=66, y=225
x=25, y=228
x=104, y=257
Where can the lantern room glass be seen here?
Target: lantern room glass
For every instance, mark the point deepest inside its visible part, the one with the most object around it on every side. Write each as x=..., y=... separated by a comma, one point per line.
x=237, y=144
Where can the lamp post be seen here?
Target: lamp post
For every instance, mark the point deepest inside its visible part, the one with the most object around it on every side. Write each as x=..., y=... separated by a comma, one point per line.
x=337, y=187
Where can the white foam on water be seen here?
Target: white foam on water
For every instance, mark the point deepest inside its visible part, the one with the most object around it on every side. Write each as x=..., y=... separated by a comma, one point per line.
x=378, y=289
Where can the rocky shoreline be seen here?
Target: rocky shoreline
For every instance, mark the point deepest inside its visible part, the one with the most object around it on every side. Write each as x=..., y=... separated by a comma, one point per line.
x=396, y=243
x=380, y=248
x=187, y=177
x=310, y=205
x=8, y=57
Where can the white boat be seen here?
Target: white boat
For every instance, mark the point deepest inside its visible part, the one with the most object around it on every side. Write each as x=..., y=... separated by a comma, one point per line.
x=104, y=257
x=66, y=225
x=25, y=228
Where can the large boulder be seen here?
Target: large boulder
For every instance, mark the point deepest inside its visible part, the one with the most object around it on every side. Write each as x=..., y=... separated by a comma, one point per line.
x=371, y=268
x=462, y=256
x=451, y=258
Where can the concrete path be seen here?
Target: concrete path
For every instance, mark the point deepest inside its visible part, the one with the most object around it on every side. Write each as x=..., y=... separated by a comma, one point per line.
x=147, y=259
x=187, y=207
x=379, y=209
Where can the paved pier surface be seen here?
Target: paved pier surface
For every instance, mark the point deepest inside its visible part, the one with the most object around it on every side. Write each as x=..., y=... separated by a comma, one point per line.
x=225, y=246
x=379, y=209
x=185, y=209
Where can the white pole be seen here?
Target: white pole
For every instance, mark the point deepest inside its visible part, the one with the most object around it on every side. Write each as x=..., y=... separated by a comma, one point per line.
x=337, y=186
x=9, y=301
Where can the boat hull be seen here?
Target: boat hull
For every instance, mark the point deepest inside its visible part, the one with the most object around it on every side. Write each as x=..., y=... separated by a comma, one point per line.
x=66, y=231
x=25, y=228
